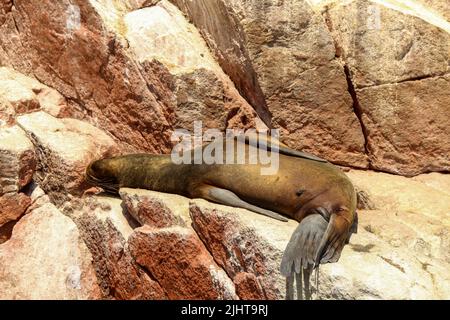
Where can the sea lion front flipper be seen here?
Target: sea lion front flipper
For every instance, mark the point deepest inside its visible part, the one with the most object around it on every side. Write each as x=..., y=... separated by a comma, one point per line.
x=228, y=198
x=299, y=255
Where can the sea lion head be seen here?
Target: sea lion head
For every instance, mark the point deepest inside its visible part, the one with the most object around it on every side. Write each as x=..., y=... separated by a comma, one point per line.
x=104, y=173
x=339, y=210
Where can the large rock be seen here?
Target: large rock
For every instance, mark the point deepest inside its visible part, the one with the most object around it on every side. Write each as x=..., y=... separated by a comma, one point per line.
x=293, y=55
x=20, y=94
x=105, y=227
x=155, y=209
x=406, y=128
x=397, y=56
x=13, y=206
x=170, y=250
x=5, y=7
x=46, y=259
x=223, y=33
x=167, y=223
x=17, y=159
x=203, y=92
x=75, y=51
x=246, y=245
x=91, y=63
x=64, y=148
x=381, y=45
x=177, y=258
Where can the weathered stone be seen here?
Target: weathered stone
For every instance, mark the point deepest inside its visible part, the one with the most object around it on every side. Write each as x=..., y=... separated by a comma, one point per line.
x=13, y=206
x=75, y=51
x=176, y=257
x=223, y=33
x=393, y=193
x=293, y=55
x=381, y=45
x=248, y=287
x=64, y=148
x=46, y=259
x=407, y=129
x=242, y=241
x=105, y=227
x=5, y=7
x=438, y=181
x=203, y=92
x=170, y=250
x=20, y=94
x=440, y=7
x=156, y=209
x=37, y=196
x=17, y=159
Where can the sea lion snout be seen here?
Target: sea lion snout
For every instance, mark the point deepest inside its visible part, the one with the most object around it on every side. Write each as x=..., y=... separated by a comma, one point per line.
x=102, y=173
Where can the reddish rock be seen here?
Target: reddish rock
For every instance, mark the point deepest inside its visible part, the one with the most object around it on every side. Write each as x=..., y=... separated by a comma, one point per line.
x=292, y=54
x=46, y=259
x=156, y=209
x=17, y=159
x=244, y=242
x=13, y=206
x=105, y=228
x=6, y=231
x=64, y=148
x=179, y=262
x=5, y=7
x=74, y=51
x=248, y=287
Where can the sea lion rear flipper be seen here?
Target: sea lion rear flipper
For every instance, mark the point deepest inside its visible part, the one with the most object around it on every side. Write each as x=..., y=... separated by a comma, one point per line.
x=226, y=197
x=299, y=255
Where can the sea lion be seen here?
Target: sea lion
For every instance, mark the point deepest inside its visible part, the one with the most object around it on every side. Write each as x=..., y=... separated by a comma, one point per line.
x=305, y=188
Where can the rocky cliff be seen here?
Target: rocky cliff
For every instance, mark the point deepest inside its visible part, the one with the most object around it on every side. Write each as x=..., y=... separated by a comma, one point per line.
x=364, y=84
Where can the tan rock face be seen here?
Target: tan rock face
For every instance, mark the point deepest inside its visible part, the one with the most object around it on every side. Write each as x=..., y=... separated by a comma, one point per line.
x=293, y=55
x=398, y=58
x=64, y=148
x=46, y=254
x=203, y=92
x=381, y=45
x=393, y=193
x=17, y=159
x=224, y=36
x=20, y=94
x=407, y=125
